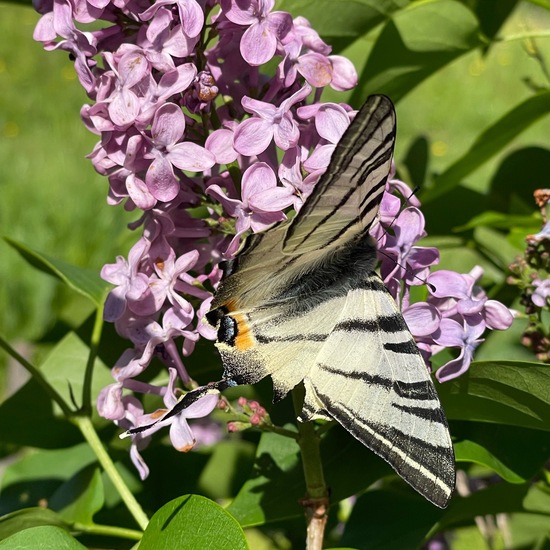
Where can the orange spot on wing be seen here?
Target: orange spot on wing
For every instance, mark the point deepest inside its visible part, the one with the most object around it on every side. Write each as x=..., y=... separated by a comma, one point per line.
x=230, y=305
x=245, y=338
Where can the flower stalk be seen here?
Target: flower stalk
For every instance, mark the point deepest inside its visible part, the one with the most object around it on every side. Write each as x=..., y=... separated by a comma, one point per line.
x=316, y=501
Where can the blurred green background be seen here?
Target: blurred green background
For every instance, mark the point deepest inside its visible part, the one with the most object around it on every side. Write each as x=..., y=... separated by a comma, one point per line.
x=53, y=201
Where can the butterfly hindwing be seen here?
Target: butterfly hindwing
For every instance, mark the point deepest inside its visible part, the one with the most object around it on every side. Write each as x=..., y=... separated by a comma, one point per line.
x=371, y=378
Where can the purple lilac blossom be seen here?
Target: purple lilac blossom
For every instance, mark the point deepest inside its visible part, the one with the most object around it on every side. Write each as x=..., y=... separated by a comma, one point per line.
x=191, y=127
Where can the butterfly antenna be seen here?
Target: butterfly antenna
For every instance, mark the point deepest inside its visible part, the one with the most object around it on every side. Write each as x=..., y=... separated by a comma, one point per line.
x=408, y=271
x=187, y=400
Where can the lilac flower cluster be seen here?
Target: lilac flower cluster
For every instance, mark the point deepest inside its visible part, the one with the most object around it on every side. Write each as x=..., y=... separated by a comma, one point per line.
x=194, y=135
x=531, y=274
x=456, y=312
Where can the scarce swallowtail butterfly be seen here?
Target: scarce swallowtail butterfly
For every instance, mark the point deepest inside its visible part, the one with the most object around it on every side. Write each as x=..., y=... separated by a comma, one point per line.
x=301, y=302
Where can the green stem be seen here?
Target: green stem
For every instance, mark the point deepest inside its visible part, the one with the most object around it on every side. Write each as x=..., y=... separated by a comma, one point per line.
x=278, y=430
x=88, y=431
x=94, y=347
x=316, y=502
x=524, y=36
x=38, y=376
x=108, y=530
x=265, y=426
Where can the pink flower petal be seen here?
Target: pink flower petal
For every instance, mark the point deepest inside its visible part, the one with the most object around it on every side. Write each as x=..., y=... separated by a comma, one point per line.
x=124, y=108
x=272, y=200
x=241, y=12
x=253, y=136
x=132, y=68
x=344, y=75
x=181, y=435
x=315, y=68
x=422, y=319
x=258, y=43
x=139, y=193
x=331, y=122
x=220, y=144
x=160, y=180
x=320, y=158
x=449, y=284
x=192, y=16
x=497, y=315
x=257, y=178
x=191, y=157
x=231, y=206
x=286, y=133
x=168, y=125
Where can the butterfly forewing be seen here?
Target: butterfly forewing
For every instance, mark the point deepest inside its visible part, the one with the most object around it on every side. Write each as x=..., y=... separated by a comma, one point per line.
x=346, y=198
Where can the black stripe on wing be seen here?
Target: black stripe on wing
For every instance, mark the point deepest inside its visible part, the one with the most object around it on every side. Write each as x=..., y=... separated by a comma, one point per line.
x=376, y=117
x=407, y=347
x=383, y=323
x=371, y=379
x=410, y=456
x=416, y=391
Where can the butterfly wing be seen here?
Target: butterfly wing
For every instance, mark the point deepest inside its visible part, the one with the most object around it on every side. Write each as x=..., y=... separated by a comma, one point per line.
x=370, y=377
x=341, y=208
x=346, y=198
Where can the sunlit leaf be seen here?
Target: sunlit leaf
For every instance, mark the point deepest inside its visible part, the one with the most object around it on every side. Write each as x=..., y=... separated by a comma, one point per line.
x=193, y=521
x=505, y=392
x=491, y=141
x=78, y=499
x=84, y=281
x=42, y=538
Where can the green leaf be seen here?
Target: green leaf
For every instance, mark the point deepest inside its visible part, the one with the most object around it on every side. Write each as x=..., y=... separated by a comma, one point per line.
x=501, y=220
x=227, y=469
x=27, y=418
x=515, y=454
x=416, y=43
x=85, y=281
x=492, y=14
x=42, y=538
x=36, y=475
x=278, y=464
x=505, y=392
x=436, y=26
x=345, y=18
x=65, y=365
x=193, y=521
x=542, y=3
x=77, y=500
x=260, y=499
x=495, y=246
x=490, y=142
x=469, y=451
x=339, y=447
x=501, y=498
x=38, y=425
x=390, y=520
x=27, y=518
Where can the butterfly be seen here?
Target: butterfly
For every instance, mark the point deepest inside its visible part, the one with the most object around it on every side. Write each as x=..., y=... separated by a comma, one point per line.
x=302, y=303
